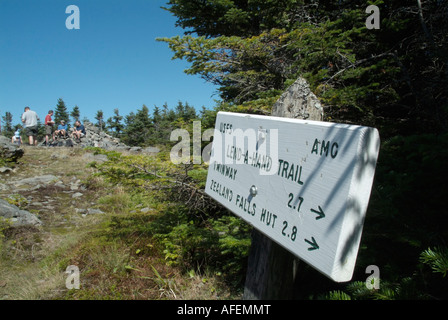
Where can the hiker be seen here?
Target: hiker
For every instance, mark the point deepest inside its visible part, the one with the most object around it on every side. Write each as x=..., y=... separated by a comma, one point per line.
x=16, y=138
x=48, y=126
x=30, y=118
x=62, y=130
x=78, y=131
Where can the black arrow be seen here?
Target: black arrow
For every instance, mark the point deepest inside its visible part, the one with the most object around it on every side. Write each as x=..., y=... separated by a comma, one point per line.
x=313, y=244
x=320, y=213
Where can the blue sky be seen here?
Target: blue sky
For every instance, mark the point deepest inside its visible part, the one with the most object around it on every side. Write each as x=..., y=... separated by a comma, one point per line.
x=112, y=61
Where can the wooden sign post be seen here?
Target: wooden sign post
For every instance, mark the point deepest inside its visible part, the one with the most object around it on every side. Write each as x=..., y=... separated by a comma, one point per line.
x=303, y=184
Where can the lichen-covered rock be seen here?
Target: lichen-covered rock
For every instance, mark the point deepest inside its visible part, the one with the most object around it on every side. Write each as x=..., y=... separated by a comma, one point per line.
x=16, y=216
x=9, y=152
x=298, y=102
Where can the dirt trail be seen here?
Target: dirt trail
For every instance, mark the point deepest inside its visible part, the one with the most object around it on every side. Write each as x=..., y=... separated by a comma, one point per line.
x=48, y=182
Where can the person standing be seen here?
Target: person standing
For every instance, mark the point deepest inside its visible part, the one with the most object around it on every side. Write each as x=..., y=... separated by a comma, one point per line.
x=30, y=118
x=48, y=126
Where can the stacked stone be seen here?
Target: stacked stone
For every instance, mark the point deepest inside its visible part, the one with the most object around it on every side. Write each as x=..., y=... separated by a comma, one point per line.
x=97, y=138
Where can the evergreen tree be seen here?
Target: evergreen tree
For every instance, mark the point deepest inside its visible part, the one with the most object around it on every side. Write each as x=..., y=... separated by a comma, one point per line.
x=7, y=129
x=114, y=123
x=60, y=112
x=138, y=127
x=189, y=112
x=185, y=111
x=99, y=119
x=165, y=110
x=143, y=118
x=208, y=117
x=75, y=114
x=131, y=132
x=243, y=18
x=41, y=131
x=167, y=113
x=253, y=50
x=163, y=123
x=158, y=125
x=393, y=78
x=156, y=116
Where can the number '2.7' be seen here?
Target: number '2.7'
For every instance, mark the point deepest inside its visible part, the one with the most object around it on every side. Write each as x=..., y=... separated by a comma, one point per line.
x=295, y=204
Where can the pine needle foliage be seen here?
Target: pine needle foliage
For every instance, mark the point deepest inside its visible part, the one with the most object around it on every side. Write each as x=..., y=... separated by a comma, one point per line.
x=437, y=259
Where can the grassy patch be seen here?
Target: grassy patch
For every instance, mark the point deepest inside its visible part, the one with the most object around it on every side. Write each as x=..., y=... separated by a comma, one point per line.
x=121, y=253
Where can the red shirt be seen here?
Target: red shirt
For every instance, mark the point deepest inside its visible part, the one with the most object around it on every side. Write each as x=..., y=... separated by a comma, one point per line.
x=47, y=119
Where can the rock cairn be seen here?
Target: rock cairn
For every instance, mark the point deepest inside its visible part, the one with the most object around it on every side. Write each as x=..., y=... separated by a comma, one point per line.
x=299, y=102
x=96, y=138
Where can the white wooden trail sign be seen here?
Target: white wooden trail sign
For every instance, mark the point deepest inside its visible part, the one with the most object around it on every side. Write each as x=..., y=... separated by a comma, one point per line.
x=304, y=184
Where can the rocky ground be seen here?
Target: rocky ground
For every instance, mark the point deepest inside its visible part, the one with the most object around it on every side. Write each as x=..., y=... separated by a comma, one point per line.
x=75, y=218
x=96, y=138
x=48, y=202
x=48, y=181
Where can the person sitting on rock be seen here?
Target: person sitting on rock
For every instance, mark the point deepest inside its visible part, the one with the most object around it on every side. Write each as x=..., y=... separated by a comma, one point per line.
x=16, y=138
x=61, y=131
x=78, y=131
